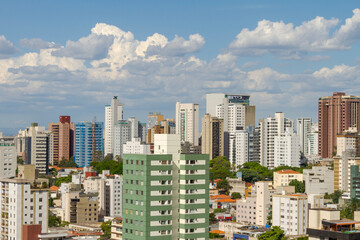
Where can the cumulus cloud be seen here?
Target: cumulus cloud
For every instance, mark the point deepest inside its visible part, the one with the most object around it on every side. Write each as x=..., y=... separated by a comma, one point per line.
x=93, y=46
x=110, y=61
x=7, y=48
x=293, y=42
x=37, y=44
x=178, y=46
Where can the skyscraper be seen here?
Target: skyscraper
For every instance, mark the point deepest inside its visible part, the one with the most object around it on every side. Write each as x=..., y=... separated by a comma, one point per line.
x=187, y=122
x=212, y=136
x=269, y=128
x=63, y=134
x=113, y=113
x=337, y=113
x=88, y=141
x=304, y=132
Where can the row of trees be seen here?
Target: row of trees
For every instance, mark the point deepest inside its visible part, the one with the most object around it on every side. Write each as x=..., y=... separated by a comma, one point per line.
x=220, y=168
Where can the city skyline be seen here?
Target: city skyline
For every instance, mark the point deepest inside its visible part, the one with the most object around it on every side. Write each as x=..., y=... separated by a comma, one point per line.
x=60, y=68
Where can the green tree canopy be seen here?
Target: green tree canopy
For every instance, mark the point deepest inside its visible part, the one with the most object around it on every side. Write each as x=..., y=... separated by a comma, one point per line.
x=224, y=185
x=219, y=168
x=63, y=180
x=334, y=196
x=235, y=195
x=115, y=167
x=274, y=234
x=212, y=218
x=106, y=228
x=53, y=221
x=299, y=186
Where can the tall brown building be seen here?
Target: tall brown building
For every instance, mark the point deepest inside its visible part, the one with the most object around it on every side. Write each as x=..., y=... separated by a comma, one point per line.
x=63, y=132
x=337, y=113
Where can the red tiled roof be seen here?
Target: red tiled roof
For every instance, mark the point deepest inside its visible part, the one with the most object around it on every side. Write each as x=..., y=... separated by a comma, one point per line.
x=217, y=231
x=54, y=188
x=287, y=171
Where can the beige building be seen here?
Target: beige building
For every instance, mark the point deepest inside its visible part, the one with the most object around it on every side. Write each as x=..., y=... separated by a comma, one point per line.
x=285, y=176
x=212, y=136
x=246, y=211
x=264, y=192
x=81, y=208
x=290, y=213
x=116, y=229
x=318, y=180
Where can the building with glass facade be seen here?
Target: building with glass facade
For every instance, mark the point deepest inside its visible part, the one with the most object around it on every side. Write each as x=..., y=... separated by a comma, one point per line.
x=88, y=140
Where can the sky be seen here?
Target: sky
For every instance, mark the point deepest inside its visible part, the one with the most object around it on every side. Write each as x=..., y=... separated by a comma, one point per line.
x=71, y=57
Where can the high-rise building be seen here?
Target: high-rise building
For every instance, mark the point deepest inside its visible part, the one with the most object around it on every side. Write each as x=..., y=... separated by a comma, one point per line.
x=37, y=144
x=63, y=135
x=22, y=204
x=81, y=208
x=124, y=131
x=342, y=170
x=187, y=122
x=337, y=113
x=348, y=140
x=166, y=195
x=290, y=213
x=88, y=142
x=269, y=128
x=304, y=132
x=113, y=113
x=212, y=136
x=287, y=150
x=244, y=146
x=313, y=142
x=8, y=160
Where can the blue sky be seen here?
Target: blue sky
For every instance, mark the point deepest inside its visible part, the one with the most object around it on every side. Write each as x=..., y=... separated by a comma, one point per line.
x=71, y=57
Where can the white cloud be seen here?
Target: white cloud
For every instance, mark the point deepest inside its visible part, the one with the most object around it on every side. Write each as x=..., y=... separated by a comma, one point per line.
x=293, y=42
x=7, y=48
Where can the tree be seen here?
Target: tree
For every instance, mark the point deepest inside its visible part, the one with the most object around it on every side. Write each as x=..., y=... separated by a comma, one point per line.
x=97, y=156
x=251, y=176
x=51, y=202
x=334, y=196
x=348, y=211
x=275, y=233
x=235, y=195
x=63, y=180
x=53, y=220
x=220, y=168
x=106, y=228
x=299, y=186
x=212, y=218
x=67, y=162
x=224, y=185
x=115, y=167
x=20, y=160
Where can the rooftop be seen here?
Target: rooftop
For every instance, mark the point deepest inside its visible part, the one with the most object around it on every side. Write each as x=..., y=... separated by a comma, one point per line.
x=287, y=171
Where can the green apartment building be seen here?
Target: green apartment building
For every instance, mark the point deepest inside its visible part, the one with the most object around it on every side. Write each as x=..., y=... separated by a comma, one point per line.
x=354, y=182
x=166, y=196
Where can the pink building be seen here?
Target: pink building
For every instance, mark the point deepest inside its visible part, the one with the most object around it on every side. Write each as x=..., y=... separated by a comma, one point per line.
x=246, y=210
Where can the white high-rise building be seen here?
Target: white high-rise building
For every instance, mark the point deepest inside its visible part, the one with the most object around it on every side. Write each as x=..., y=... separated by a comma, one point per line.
x=38, y=146
x=313, y=142
x=233, y=115
x=113, y=113
x=304, y=132
x=263, y=201
x=134, y=132
x=122, y=134
x=22, y=205
x=8, y=160
x=238, y=147
x=187, y=122
x=290, y=213
x=287, y=150
x=269, y=128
